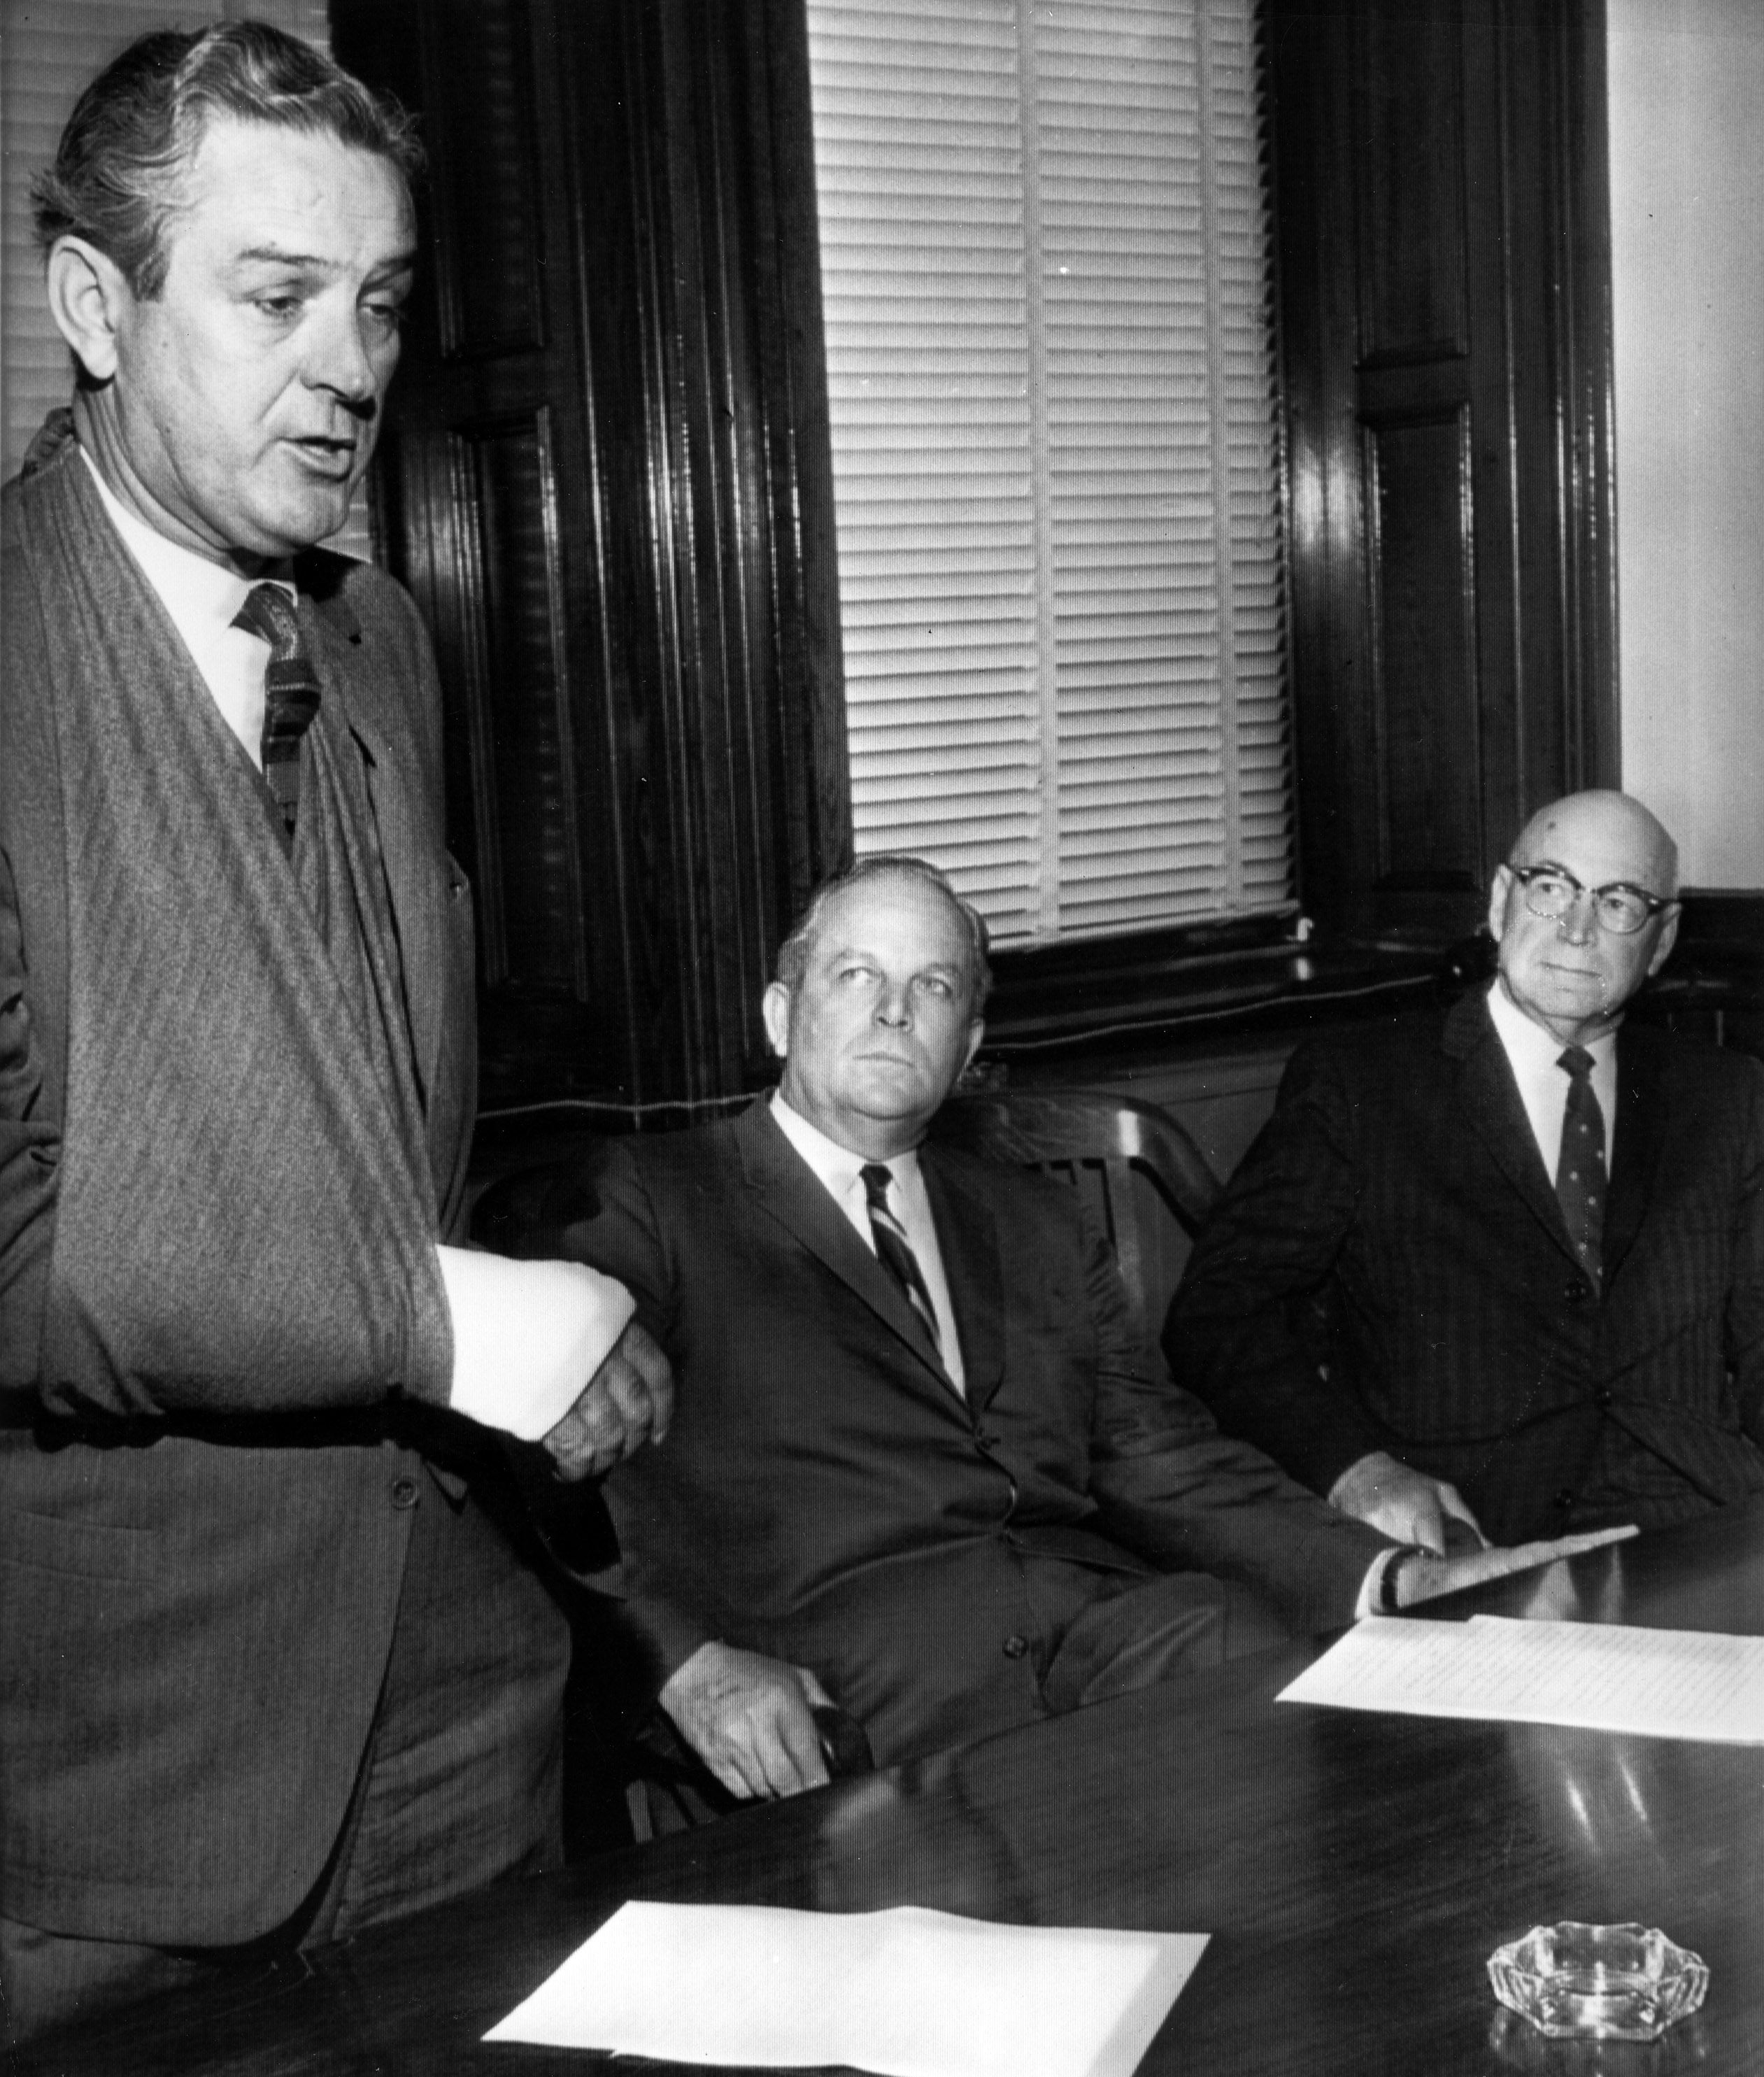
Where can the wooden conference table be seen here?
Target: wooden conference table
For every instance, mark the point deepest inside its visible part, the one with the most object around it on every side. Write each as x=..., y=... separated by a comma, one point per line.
x=1354, y=1872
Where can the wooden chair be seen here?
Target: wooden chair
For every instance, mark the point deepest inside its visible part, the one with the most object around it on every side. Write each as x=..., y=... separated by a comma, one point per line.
x=1141, y=1173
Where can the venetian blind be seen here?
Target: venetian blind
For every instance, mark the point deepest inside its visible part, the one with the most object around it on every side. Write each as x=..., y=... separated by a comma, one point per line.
x=1046, y=263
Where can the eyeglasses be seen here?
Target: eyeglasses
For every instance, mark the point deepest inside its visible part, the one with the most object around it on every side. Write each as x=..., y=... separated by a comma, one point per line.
x=1550, y=892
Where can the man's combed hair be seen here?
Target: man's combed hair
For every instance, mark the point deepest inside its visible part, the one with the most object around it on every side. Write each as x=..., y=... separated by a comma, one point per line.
x=793, y=953
x=136, y=129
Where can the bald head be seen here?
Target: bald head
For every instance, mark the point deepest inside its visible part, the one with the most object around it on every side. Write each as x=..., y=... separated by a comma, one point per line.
x=1561, y=962
x=1613, y=824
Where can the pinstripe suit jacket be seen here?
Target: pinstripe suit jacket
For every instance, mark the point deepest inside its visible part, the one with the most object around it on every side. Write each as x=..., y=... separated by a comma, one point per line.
x=1388, y=1269
x=199, y=1573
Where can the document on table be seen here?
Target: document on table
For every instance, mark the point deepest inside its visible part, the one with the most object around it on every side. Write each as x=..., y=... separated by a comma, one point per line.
x=903, y=1993
x=1669, y=1683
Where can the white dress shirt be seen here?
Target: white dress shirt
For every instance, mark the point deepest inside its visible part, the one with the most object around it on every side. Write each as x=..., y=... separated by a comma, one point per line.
x=1533, y=1054
x=527, y=1336
x=840, y=1173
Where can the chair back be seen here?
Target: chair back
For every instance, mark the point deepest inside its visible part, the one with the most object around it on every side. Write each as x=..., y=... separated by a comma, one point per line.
x=517, y=1209
x=1147, y=1183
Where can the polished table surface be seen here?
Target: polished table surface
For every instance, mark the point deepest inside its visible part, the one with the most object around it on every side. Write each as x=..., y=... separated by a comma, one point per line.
x=1353, y=1870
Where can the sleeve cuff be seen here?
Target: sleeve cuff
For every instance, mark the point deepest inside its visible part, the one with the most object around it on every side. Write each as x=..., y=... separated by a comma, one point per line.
x=527, y=1337
x=1370, y=1586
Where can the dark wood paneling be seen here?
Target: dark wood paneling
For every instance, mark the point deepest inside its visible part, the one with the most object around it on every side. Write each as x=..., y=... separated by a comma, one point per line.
x=609, y=489
x=1424, y=653
x=1445, y=288
x=530, y=901
x=1411, y=112
x=491, y=250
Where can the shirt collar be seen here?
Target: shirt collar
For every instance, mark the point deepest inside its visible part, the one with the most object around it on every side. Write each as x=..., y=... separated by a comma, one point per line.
x=1528, y=1046
x=837, y=1166
x=195, y=591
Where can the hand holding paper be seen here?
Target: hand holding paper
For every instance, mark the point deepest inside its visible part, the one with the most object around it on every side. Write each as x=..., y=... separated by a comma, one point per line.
x=1425, y=1578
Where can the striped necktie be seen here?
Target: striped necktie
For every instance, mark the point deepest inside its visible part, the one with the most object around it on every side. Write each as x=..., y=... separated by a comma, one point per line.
x=290, y=692
x=894, y=1251
x=1580, y=1173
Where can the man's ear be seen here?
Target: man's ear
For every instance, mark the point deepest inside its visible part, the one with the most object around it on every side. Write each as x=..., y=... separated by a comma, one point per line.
x=976, y=1031
x=1500, y=887
x=1669, y=937
x=89, y=299
x=774, y=1007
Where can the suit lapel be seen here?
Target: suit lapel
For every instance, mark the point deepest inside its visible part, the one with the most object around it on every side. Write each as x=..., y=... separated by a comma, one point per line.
x=1491, y=1100
x=789, y=1191
x=1638, y=1136
x=967, y=1240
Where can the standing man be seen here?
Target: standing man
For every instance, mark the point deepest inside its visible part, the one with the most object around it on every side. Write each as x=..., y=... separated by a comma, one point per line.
x=276, y=1663
x=1505, y=1267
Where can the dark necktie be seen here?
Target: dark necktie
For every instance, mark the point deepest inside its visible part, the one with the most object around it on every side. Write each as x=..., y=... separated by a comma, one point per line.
x=894, y=1251
x=1580, y=1174
x=290, y=692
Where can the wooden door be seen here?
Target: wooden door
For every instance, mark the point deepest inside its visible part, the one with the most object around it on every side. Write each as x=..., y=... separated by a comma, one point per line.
x=605, y=481
x=1445, y=280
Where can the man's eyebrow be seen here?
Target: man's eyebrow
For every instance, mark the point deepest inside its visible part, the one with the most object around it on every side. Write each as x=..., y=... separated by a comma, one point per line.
x=1604, y=887
x=279, y=256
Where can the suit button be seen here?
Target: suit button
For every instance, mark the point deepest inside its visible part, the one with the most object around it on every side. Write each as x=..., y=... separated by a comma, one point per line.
x=1564, y=1500
x=989, y=1439
x=1601, y=1397
x=1576, y=1292
x=1016, y=1646
x=404, y=1492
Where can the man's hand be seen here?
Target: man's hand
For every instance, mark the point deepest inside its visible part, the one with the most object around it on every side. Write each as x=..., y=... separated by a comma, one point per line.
x=1378, y=1490
x=1422, y=1578
x=627, y=1402
x=747, y=1718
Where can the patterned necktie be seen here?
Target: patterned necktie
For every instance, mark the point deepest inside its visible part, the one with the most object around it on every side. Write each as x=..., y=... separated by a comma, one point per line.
x=894, y=1251
x=290, y=692
x=1580, y=1174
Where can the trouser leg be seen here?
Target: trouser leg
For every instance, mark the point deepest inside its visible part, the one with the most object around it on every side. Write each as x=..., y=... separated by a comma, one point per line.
x=1154, y=1630
x=459, y=1784
x=49, y=1980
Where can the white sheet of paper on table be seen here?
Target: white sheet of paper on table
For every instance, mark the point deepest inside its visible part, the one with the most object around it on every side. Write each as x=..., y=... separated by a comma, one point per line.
x=903, y=1993
x=1596, y=1676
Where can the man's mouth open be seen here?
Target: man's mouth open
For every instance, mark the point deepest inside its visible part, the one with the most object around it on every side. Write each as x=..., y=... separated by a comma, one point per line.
x=325, y=456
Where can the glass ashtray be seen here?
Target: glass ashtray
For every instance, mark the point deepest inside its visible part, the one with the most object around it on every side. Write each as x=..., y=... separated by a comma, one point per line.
x=1598, y=1983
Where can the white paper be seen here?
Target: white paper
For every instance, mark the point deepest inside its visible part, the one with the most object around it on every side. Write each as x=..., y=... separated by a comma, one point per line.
x=904, y=1993
x=1672, y=1683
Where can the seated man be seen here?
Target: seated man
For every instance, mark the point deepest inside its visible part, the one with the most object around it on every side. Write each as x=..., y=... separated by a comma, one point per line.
x=1417, y=1293
x=919, y=1462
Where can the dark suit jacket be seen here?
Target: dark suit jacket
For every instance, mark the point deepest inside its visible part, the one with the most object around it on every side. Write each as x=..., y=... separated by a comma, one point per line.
x=198, y=1582
x=826, y=1496
x=1388, y=1269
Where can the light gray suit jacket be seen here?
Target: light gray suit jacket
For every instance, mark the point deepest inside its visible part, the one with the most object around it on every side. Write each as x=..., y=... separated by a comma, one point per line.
x=200, y=1547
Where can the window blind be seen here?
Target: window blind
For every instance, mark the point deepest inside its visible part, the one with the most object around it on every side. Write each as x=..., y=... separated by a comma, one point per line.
x=1046, y=265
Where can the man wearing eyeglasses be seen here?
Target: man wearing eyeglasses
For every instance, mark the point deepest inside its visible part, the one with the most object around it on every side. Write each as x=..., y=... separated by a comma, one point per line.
x=1500, y=1273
